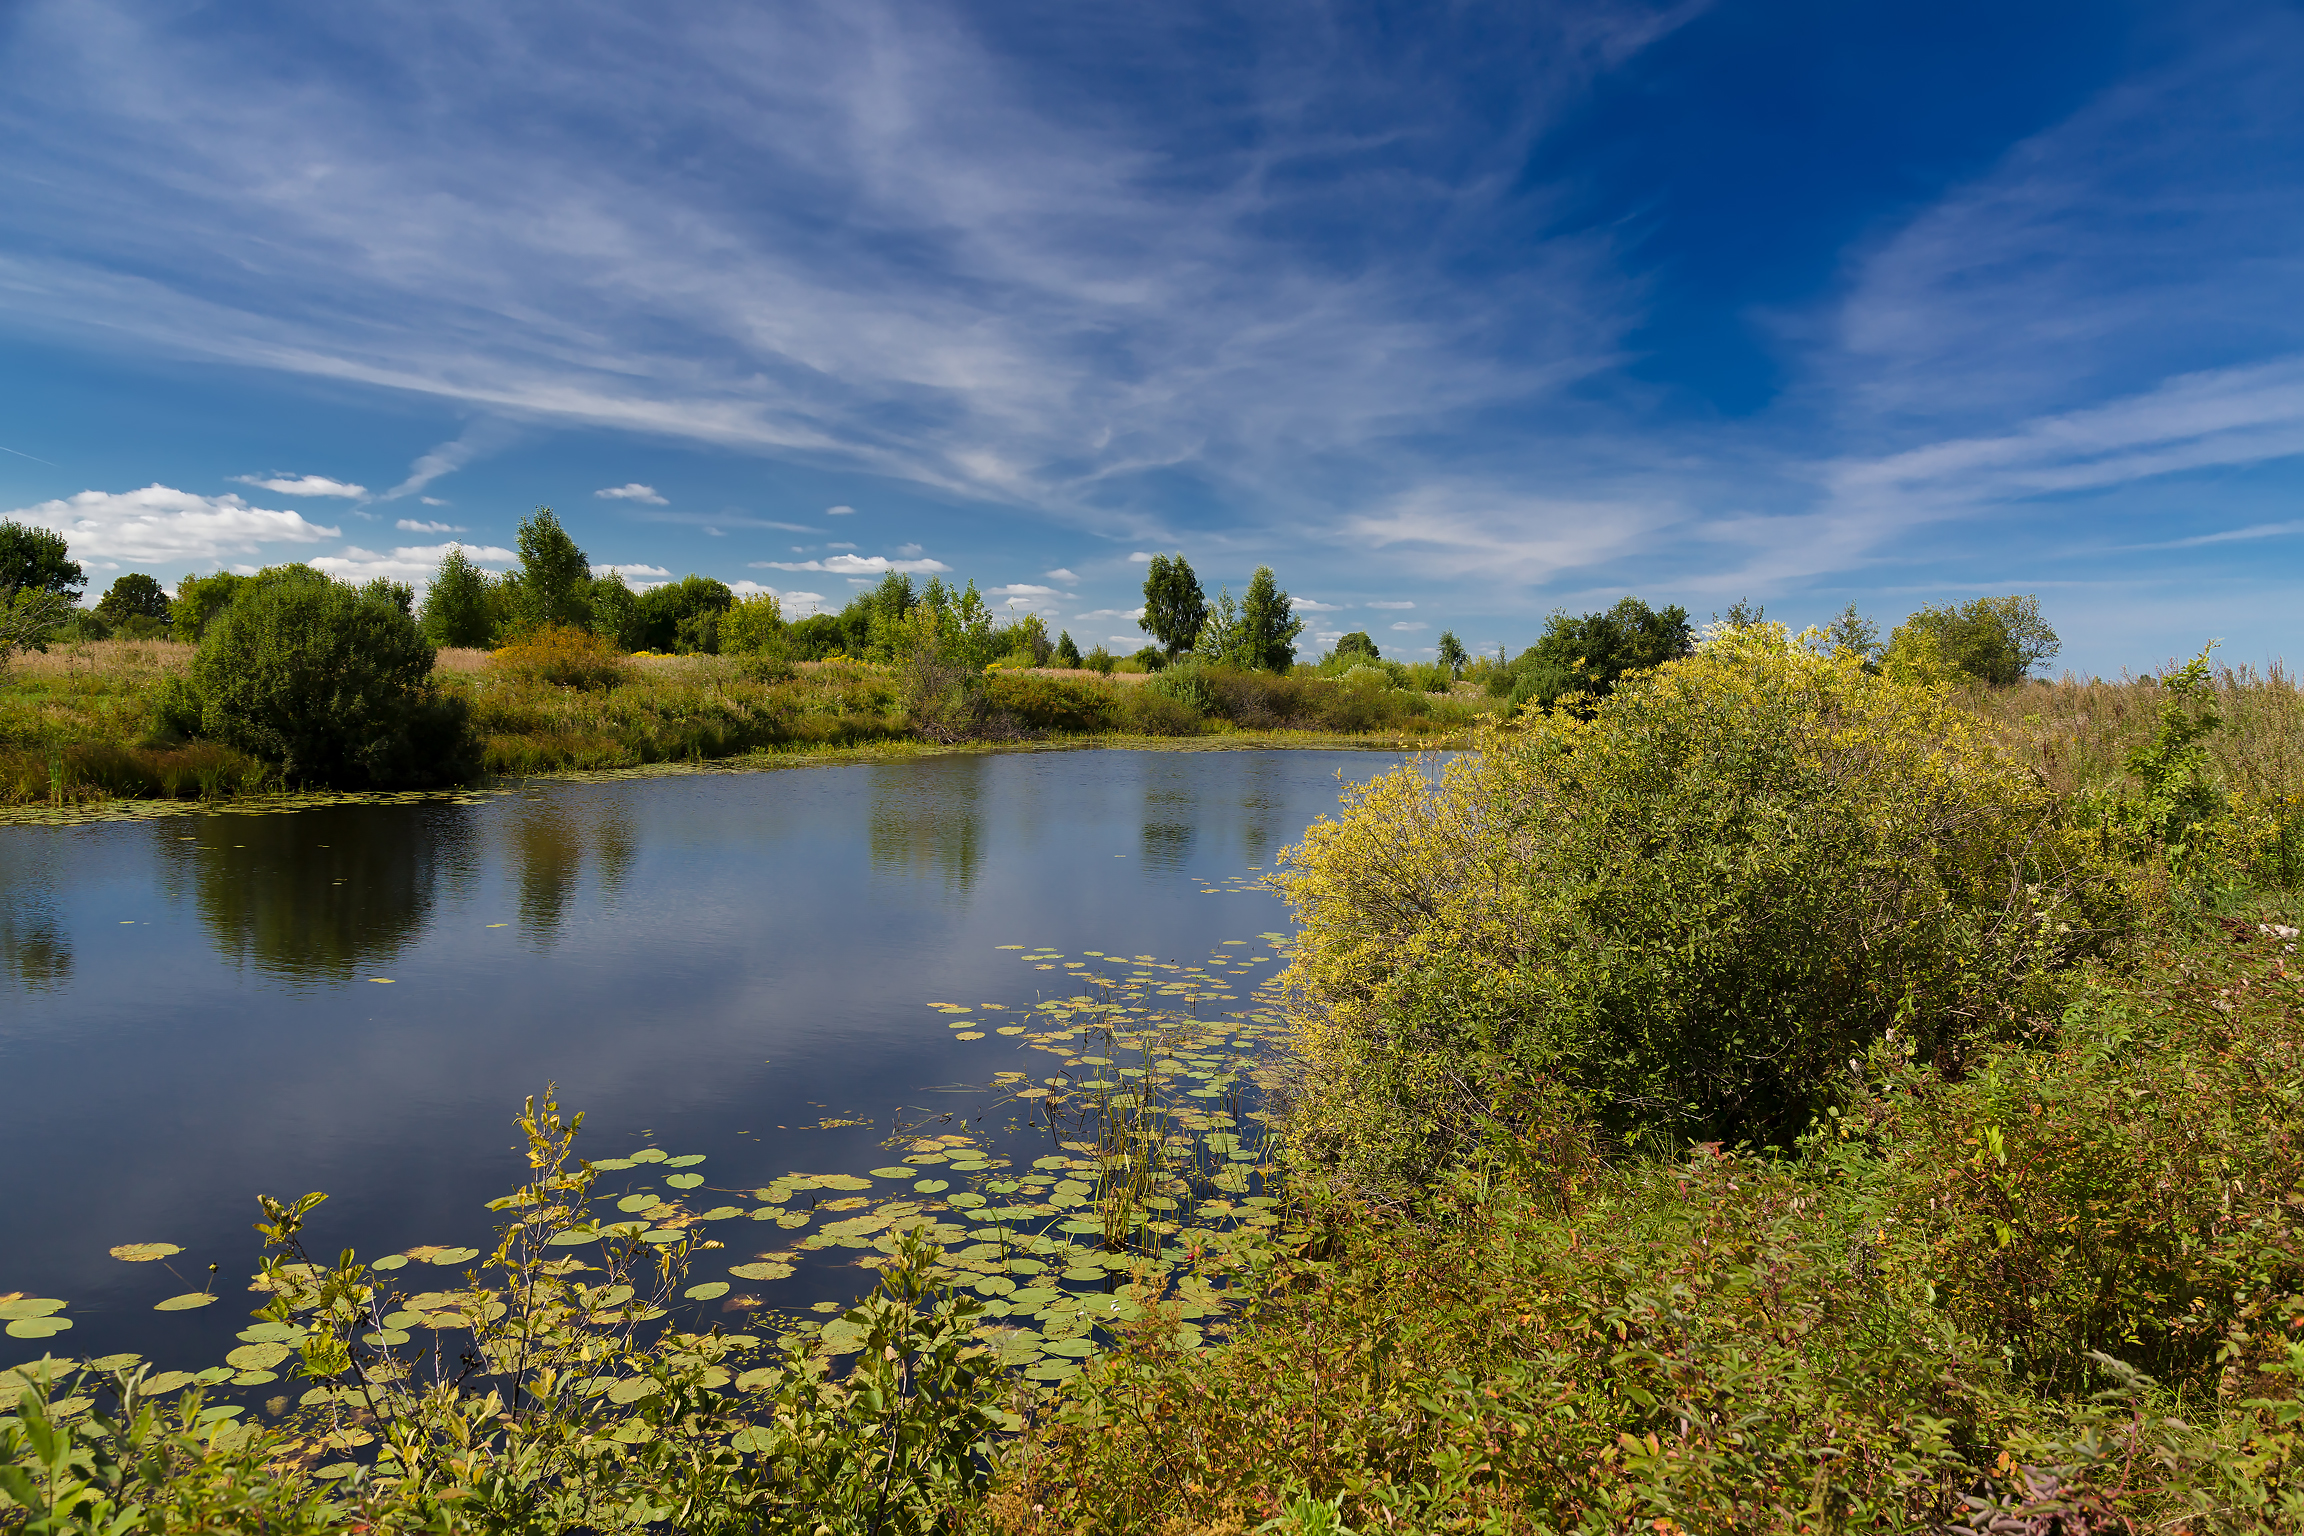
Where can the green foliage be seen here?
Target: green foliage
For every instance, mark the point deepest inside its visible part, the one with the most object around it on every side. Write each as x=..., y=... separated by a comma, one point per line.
x=2181, y=797
x=198, y=600
x=754, y=626
x=681, y=616
x=1451, y=654
x=1044, y=703
x=560, y=656
x=134, y=596
x=456, y=607
x=1100, y=660
x=1852, y=634
x=1356, y=647
x=554, y=582
x=37, y=560
x=1067, y=652
x=1994, y=640
x=1186, y=683
x=1268, y=623
x=29, y=618
x=1175, y=609
x=1692, y=908
x=330, y=683
x=1590, y=653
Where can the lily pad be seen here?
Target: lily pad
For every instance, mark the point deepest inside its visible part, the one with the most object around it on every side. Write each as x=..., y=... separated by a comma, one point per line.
x=638, y=1202
x=29, y=1307
x=689, y=1161
x=932, y=1186
x=169, y=1381
x=710, y=1290
x=449, y=1256
x=685, y=1180
x=895, y=1173
x=651, y=1155
x=257, y=1357
x=611, y=1164
x=765, y=1270
x=144, y=1253
x=841, y=1181
x=37, y=1327
x=391, y=1261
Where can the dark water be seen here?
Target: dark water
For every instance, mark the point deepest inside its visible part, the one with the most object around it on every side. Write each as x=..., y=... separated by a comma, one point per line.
x=191, y=1010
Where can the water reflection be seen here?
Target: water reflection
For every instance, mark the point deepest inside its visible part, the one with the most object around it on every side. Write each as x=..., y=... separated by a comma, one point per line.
x=928, y=818
x=1168, y=815
x=33, y=946
x=322, y=897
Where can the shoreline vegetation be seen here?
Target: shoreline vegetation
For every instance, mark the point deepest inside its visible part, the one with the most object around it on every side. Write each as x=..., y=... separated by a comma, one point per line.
x=1778, y=1095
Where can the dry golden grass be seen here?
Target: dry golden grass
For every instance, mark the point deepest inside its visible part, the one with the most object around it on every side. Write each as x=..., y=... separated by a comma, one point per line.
x=2079, y=734
x=102, y=658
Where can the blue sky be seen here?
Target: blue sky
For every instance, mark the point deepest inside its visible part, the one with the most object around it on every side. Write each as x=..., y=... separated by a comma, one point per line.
x=1452, y=314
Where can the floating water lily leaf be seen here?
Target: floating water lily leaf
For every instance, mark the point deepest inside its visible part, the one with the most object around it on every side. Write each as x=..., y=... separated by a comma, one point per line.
x=1078, y=1349
x=721, y=1213
x=448, y=1256
x=685, y=1180
x=841, y=1181
x=612, y=1164
x=844, y=1338
x=651, y=1155
x=390, y=1261
x=663, y=1235
x=710, y=1290
x=689, y=1161
x=895, y=1173
x=37, y=1327
x=572, y=1237
x=969, y=1034
x=638, y=1202
x=932, y=1186
x=113, y=1362
x=257, y=1357
x=765, y=1270
x=169, y=1381
x=144, y=1253
x=793, y=1219
x=29, y=1307
x=274, y=1333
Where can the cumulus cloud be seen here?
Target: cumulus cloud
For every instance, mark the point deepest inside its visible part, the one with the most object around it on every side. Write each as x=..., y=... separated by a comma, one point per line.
x=1130, y=614
x=1306, y=605
x=305, y=485
x=1060, y=574
x=1023, y=589
x=418, y=525
x=1406, y=627
x=633, y=491
x=656, y=572
x=162, y=526
x=839, y=511
x=854, y=565
x=1140, y=557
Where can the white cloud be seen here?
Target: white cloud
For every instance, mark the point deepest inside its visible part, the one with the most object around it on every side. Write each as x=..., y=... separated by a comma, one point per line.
x=1391, y=605
x=1306, y=605
x=633, y=491
x=484, y=436
x=418, y=525
x=414, y=564
x=836, y=544
x=162, y=526
x=1130, y=614
x=432, y=501
x=305, y=485
x=839, y=511
x=1406, y=627
x=644, y=571
x=1139, y=558
x=1023, y=589
x=1060, y=574
x=909, y=551
x=1126, y=642
x=852, y=565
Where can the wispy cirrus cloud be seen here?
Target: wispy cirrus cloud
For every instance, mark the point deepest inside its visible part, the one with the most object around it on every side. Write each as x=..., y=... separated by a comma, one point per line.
x=631, y=491
x=855, y=565
x=421, y=525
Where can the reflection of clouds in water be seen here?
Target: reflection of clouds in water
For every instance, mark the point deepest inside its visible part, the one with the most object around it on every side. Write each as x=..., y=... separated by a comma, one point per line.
x=317, y=896
x=927, y=818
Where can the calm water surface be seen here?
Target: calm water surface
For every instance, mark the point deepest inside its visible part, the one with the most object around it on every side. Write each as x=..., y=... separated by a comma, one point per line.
x=354, y=999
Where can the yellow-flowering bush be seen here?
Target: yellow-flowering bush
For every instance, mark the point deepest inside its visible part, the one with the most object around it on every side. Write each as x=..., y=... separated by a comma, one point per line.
x=1688, y=912
x=563, y=656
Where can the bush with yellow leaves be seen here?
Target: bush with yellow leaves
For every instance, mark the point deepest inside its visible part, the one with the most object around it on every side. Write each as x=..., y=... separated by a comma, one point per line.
x=1684, y=915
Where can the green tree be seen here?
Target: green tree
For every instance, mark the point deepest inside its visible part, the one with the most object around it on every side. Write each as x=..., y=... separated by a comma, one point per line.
x=1174, y=606
x=554, y=582
x=1223, y=638
x=1588, y=653
x=456, y=609
x=37, y=560
x=1356, y=645
x=330, y=682
x=683, y=615
x=1452, y=655
x=1268, y=622
x=754, y=625
x=199, y=599
x=1995, y=640
x=133, y=596
x=1852, y=634
x=1067, y=652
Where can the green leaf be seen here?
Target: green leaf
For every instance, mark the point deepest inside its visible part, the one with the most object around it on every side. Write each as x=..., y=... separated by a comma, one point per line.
x=30, y=1306
x=932, y=1186
x=257, y=1357
x=710, y=1290
x=690, y=1161
x=183, y=1303
x=650, y=1155
x=895, y=1173
x=1078, y=1349
x=766, y=1270
x=637, y=1202
x=685, y=1180
x=37, y=1327
x=841, y=1181
x=169, y=1381
x=391, y=1261
x=144, y=1253
x=611, y=1164
x=449, y=1256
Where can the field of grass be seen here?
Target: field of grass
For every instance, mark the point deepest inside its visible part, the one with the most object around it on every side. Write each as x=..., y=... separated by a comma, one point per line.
x=78, y=723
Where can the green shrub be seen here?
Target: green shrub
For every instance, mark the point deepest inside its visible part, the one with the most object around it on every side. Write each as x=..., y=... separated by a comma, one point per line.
x=1156, y=714
x=561, y=656
x=1692, y=909
x=1053, y=703
x=1186, y=682
x=329, y=683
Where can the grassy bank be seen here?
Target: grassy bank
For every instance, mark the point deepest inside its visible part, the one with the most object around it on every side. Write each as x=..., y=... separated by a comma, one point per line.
x=85, y=722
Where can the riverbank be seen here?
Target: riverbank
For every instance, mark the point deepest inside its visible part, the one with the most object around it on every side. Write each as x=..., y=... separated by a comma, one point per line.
x=79, y=724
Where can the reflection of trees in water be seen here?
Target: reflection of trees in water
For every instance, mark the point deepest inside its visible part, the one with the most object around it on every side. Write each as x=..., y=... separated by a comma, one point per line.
x=1170, y=809
x=926, y=818
x=1261, y=799
x=320, y=895
x=549, y=841
x=34, y=948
